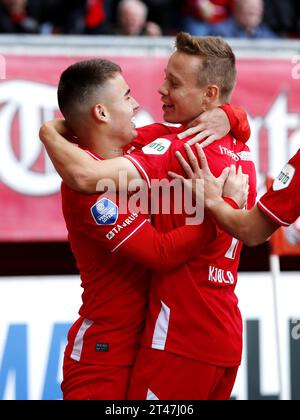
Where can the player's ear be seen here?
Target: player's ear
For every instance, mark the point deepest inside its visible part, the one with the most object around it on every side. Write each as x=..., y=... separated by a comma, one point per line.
x=212, y=94
x=100, y=113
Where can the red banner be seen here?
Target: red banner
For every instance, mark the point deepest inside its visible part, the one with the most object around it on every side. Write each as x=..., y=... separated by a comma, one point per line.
x=29, y=188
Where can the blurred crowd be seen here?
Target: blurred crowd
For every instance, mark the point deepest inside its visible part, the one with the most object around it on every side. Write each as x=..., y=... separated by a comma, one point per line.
x=228, y=18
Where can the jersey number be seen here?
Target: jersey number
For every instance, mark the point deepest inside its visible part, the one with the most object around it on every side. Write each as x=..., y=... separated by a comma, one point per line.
x=231, y=253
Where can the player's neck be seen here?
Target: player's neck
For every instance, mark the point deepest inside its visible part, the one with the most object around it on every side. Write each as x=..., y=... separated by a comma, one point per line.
x=102, y=145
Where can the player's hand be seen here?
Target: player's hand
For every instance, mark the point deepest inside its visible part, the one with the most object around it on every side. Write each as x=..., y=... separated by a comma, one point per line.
x=237, y=186
x=213, y=187
x=56, y=126
x=211, y=125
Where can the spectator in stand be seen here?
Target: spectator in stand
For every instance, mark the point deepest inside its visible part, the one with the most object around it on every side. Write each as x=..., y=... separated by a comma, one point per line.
x=82, y=17
x=132, y=20
x=280, y=16
x=166, y=14
x=14, y=17
x=247, y=22
x=298, y=18
x=201, y=15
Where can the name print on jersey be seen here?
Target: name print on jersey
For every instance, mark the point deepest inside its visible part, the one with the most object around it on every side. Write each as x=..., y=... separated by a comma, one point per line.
x=219, y=276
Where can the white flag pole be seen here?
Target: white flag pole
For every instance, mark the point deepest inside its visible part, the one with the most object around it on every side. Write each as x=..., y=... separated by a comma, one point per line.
x=275, y=271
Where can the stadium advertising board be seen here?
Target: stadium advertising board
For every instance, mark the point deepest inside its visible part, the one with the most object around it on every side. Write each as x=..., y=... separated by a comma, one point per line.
x=33, y=336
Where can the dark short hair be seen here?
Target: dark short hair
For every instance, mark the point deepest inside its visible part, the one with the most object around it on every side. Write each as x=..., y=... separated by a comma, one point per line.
x=79, y=81
x=218, y=60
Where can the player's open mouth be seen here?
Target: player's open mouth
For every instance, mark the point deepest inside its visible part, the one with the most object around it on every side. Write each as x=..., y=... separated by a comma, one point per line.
x=167, y=108
x=133, y=121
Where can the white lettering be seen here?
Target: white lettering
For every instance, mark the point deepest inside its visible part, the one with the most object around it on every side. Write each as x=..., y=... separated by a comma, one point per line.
x=217, y=275
x=296, y=67
x=28, y=101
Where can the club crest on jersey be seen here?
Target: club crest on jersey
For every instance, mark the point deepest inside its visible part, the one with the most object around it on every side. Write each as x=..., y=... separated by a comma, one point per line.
x=157, y=147
x=285, y=178
x=105, y=212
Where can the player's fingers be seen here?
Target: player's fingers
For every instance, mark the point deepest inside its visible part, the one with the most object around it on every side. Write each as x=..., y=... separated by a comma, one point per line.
x=176, y=176
x=203, y=159
x=193, y=159
x=246, y=179
x=232, y=170
x=191, y=131
x=211, y=139
x=203, y=135
x=185, y=166
x=224, y=175
x=240, y=170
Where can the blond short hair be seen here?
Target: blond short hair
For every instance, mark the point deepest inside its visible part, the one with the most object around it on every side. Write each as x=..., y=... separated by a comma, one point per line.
x=218, y=61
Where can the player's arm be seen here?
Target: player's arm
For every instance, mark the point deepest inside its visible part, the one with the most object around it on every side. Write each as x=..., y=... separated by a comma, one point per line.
x=238, y=119
x=131, y=235
x=80, y=171
x=251, y=227
x=167, y=251
x=215, y=124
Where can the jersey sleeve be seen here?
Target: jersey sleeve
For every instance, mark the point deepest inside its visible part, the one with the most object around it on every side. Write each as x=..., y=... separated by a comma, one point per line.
x=108, y=221
x=282, y=202
x=239, y=123
x=167, y=251
x=152, y=160
x=127, y=234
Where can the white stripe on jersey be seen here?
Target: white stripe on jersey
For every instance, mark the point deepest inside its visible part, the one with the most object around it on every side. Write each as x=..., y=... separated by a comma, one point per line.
x=78, y=342
x=92, y=154
x=161, y=328
x=273, y=215
x=151, y=396
x=124, y=240
x=141, y=168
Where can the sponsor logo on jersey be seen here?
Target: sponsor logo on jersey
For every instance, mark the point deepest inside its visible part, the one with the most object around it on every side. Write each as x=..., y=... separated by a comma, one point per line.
x=105, y=212
x=245, y=156
x=157, y=147
x=118, y=228
x=285, y=178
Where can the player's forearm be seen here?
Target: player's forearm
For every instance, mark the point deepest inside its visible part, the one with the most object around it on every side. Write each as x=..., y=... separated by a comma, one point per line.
x=76, y=168
x=252, y=227
x=240, y=224
x=167, y=251
x=177, y=247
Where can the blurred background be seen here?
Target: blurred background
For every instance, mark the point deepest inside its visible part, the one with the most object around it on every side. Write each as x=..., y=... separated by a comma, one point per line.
x=39, y=282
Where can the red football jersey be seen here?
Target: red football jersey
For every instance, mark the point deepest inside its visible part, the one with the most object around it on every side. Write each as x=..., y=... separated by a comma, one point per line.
x=115, y=288
x=107, y=245
x=193, y=310
x=114, y=301
x=282, y=202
